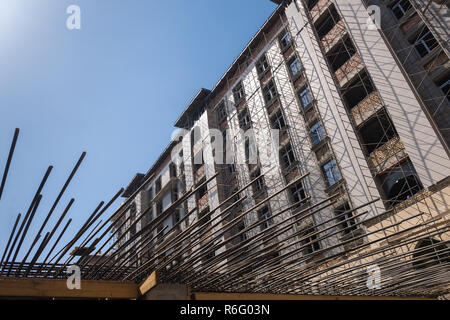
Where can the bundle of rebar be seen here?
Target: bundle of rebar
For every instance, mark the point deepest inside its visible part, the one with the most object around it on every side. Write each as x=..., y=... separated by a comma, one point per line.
x=203, y=253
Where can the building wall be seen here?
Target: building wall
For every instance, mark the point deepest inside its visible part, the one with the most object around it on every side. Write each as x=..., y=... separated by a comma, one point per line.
x=349, y=155
x=424, y=149
x=359, y=184
x=422, y=72
x=270, y=165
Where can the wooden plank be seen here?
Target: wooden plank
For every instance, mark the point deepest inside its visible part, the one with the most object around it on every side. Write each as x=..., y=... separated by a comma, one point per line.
x=149, y=283
x=267, y=296
x=51, y=288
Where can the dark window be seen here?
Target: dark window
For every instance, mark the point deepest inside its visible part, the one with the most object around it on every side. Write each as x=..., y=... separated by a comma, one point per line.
x=222, y=111
x=238, y=92
x=224, y=145
x=224, y=137
x=358, y=90
x=150, y=195
x=232, y=191
x=277, y=121
x=264, y=214
x=444, y=85
x=297, y=192
x=345, y=217
x=209, y=256
x=305, y=97
x=317, y=132
x=204, y=219
x=285, y=40
x=173, y=170
x=202, y=191
x=331, y=172
x=149, y=215
x=311, y=3
x=174, y=193
x=400, y=8
x=158, y=231
x=133, y=211
x=287, y=157
x=240, y=228
x=425, y=42
x=133, y=229
x=339, y=56
x=430, y=252
x=325, y=25
x=376, y=132
x=176, y=217
x=269, y=91
x=400, y=183
x=258, y=186
x=244, y=119
x=158, y=185
x=159, y=208
x=294, y=66
x=262, y=65
x=310, y=242
x=247, y=151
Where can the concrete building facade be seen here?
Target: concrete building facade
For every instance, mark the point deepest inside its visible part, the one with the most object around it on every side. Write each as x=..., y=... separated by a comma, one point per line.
x=329, y=101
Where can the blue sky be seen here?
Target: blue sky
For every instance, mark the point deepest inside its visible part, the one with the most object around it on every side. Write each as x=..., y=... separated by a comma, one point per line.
x=112, y=89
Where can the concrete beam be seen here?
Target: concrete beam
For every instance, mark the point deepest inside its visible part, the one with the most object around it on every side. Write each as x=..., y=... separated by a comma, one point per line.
x=268, y=296
x=167, y=291
x=149, y=283
x=54, y=288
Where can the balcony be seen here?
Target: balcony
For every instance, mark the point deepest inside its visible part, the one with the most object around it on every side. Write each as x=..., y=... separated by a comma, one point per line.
x=349, y=70
x=387, y=155
x=366, y=108
x=333, y=37
x=319, y=9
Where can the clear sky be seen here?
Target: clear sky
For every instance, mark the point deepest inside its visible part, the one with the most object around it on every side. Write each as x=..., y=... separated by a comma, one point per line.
x=112, y=89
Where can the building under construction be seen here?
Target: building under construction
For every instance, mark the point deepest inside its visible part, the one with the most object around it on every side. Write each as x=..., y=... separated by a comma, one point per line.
x=317, y=165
